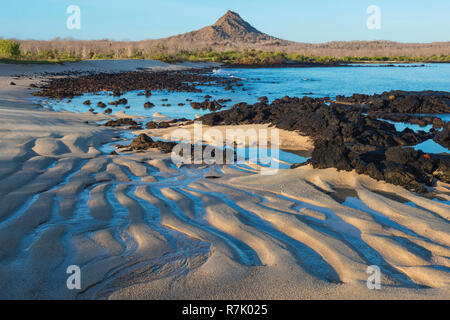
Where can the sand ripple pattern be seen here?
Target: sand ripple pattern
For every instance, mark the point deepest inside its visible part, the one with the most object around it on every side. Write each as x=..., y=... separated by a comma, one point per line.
x=127, y=220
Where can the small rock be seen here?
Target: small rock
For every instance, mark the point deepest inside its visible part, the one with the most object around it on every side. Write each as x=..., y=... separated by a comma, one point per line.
x=148, y=105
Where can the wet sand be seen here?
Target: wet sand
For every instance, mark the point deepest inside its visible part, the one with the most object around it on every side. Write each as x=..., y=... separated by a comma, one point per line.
x=141, y=228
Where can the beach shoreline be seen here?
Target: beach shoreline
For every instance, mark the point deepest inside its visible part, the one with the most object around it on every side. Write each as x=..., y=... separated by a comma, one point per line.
x=141, y=228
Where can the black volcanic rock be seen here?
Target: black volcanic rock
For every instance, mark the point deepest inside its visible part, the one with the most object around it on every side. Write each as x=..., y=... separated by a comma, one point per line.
x=443, y=137
x=264, y=100
x=152, y=125
x=408, y=102
x=144, y=142
x=172, y=81
x=207, y=105
x=148, y=105
x=157, y=125
x=346, y=139
x=328, y=154
x=117, y=102
x=121, y=122
x=442, y=171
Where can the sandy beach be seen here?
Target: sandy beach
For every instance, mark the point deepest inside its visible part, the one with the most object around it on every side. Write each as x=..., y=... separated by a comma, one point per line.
x=140, y=227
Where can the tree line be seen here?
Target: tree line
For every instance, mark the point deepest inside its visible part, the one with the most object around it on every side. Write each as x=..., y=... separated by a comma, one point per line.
x=63, y=50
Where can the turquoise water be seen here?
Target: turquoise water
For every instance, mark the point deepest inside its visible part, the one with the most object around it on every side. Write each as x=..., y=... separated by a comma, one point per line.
x=430, y=146
x=400, y=126
x=277, y=83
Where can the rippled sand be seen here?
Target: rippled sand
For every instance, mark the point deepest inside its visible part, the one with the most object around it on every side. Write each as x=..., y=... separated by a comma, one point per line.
x=140, y=227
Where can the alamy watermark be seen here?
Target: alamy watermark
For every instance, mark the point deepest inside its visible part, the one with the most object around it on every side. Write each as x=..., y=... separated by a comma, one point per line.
x=374, y=280
x=374, y=20
x=73, y=22
x=74, y=280
x=228, y=146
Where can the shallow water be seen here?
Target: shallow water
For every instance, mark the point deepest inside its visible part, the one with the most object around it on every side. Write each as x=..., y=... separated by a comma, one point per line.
x=400, y=126
x=430, y=146
x=278, y=82
x=264, y=157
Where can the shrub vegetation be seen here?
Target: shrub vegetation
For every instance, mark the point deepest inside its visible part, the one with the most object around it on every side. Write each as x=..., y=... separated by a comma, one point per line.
x=9, y=49
x=10, y=52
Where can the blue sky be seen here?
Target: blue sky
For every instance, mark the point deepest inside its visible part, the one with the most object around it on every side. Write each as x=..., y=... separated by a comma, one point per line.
x=297, y=20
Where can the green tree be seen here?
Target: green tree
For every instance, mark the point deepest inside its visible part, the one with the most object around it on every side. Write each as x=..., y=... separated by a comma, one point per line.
x=9, y=49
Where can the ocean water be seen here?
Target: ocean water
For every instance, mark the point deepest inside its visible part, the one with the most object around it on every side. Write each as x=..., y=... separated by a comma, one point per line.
x=279, y=82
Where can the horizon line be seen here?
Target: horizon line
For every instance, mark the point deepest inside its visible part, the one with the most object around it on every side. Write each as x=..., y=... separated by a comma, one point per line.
x=156, y=39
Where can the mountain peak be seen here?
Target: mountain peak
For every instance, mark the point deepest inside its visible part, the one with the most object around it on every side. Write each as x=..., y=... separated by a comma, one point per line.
x=231, y=14
x=232, y=24
x=230, y=28
x=228, y=17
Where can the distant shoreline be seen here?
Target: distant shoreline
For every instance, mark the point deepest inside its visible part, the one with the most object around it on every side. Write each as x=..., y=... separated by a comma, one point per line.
x=238, y=65
x=351, y=64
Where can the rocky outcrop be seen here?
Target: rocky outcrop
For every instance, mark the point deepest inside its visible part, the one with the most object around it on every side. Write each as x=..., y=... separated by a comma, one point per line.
x=346, y=139
x=121, y=122
x=403, y=106
x=179, y=81
x=443, y=137
x=157, y=125
x=397, y=101
x=144, y=142
x=207, y=105
x=148, y=105
x=117, y=102
x=314, y=118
